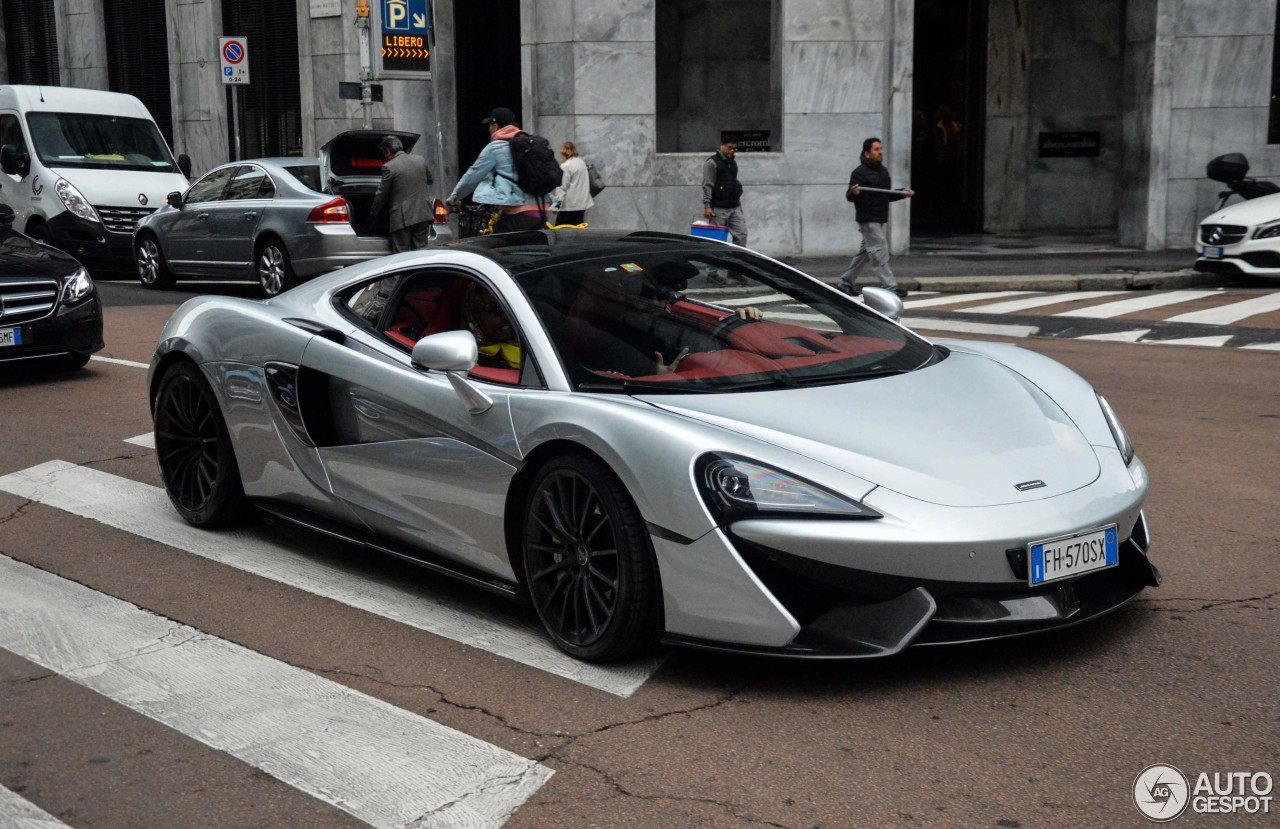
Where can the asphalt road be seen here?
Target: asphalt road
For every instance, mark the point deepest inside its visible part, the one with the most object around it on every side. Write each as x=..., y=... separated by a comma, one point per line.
x=1044, y=732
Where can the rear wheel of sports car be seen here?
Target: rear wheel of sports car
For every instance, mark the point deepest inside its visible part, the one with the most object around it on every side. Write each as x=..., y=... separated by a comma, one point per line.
x=153, y=271
x=587, y=561
x=275, y=272
x=193, y=446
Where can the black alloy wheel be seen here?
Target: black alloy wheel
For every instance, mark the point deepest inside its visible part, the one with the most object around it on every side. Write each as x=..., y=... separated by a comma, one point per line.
x=193, y=447
x=153, y=271
x=588, y=566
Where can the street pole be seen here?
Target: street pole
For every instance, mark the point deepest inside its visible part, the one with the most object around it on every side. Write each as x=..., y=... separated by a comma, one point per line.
x=235, y=117
x=366, y=70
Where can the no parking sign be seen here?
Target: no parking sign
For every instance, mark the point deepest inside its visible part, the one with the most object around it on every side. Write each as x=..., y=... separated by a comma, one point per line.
x=233, y=53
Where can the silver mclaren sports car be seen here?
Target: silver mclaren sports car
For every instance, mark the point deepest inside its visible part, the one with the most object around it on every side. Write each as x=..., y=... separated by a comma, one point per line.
x=594, y=424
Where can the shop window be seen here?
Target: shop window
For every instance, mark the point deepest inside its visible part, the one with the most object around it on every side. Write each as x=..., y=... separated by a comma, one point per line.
x=31, y=38
x=138, y=56
x=718, y=72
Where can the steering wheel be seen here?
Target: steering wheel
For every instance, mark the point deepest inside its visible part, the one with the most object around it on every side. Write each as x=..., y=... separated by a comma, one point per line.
x=722, y=328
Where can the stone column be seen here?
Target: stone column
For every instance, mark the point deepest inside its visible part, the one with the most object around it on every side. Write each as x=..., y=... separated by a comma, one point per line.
x=1008, y=142
x=82, y=43
x=898, y=117
x=199, y=99
x=1148, y=102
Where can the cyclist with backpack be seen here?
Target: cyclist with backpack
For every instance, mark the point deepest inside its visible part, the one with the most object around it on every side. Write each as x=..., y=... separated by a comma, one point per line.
x=515, y=171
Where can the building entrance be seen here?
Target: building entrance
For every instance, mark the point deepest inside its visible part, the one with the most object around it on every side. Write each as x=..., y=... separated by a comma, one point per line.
x=949, y=98
x=487, y=49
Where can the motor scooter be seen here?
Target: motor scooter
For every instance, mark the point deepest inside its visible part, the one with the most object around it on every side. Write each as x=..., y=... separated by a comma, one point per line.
x=1231, y=169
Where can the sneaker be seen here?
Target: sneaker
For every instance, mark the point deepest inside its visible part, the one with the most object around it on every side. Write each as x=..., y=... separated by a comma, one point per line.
x=846, y=288
x=901, y=292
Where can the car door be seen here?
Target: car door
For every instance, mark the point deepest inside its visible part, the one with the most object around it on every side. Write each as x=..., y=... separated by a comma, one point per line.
x=235, y=217
x=402, y=448
x=189, y=229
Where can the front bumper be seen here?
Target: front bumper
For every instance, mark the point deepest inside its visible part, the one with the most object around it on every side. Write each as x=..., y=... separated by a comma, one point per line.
x=69, y=330
x=100, y=250
x=1251, y=257
x=848, y=614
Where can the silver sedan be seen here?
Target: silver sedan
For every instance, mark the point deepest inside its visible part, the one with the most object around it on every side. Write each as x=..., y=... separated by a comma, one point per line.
x=583, y=421
x=279, y=220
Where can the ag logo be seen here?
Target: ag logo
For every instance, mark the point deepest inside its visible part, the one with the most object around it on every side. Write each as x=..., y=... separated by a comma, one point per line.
x=36, y=187
x=1215, y=236
x=1161, y=793
x=142, y=199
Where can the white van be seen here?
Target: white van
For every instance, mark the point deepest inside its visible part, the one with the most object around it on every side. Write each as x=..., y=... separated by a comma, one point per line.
x=81, y=167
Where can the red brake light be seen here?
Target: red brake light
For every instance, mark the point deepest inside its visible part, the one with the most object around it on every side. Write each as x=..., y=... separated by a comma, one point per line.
x=333, y=211
x=440, y=213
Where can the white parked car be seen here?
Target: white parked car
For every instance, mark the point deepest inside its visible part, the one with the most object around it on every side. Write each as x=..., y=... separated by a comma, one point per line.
x=1242, y=238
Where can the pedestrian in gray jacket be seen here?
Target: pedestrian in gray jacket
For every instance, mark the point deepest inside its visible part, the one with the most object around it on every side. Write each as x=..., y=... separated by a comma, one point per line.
x=405, y=179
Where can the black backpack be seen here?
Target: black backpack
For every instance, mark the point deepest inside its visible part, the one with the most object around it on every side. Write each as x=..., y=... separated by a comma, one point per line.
x=537, y=172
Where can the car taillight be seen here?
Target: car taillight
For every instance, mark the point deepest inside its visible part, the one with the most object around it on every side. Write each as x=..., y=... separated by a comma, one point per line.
x=334, y=211
x=441, y=213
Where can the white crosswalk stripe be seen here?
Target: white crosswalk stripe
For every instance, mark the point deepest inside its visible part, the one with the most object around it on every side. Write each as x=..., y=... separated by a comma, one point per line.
x=384, y=765
x=953, y=299
x=145, y=511
x=1013, y=306
x=1236, y=311
x=19, y=813
x=1120, y=307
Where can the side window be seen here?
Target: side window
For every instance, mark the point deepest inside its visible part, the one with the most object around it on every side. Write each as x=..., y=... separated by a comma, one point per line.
x=11, y=132
x=369, y=302
x=210, y=187
x=433, y=303
x=246, y=183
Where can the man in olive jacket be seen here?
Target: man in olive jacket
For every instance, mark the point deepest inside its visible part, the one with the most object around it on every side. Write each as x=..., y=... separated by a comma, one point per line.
x=405, y=179
x=872, y=215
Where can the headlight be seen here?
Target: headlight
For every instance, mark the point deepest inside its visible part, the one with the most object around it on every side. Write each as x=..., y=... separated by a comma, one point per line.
x=735, y=488
x=1117, y=431
x=75, y=200
x=76, y=287
x=1270, y=230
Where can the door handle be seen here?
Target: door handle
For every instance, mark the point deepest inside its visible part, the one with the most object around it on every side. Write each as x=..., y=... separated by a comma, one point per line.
x=203, y=217
x=320, y=329
x=249, y=214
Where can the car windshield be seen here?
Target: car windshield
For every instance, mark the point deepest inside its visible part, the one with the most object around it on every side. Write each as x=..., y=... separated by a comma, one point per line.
x=100, y=142
x=709, y=320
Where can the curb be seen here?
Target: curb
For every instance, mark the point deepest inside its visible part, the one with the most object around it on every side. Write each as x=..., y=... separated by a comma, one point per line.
x=1132, y=281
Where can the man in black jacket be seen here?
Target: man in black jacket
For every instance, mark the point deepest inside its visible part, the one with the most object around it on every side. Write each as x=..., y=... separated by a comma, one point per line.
x=722, y=194
x=872, y=215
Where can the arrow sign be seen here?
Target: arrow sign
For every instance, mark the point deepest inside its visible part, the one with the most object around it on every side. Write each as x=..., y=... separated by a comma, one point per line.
x=419, y=21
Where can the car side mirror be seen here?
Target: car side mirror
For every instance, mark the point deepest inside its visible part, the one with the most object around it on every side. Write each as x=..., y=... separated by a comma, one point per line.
x=884, y=301
x=174, y=199
x=7, y=215
x=14, y=161
x=455, y=353
x=184, y=164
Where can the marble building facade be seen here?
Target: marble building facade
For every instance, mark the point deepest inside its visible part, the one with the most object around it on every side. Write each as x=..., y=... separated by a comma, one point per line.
x=1168, y=84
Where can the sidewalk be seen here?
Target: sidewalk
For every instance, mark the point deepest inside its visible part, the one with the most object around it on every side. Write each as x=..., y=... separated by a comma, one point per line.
x=980, y=262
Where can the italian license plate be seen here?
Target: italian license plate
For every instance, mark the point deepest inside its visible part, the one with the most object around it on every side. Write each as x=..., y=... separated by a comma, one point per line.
x=10, y=336
x=1071, y=555
x=1212, y=252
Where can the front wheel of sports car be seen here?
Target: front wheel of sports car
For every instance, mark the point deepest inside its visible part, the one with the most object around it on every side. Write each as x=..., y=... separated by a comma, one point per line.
x=587, y=562
x=193, y=446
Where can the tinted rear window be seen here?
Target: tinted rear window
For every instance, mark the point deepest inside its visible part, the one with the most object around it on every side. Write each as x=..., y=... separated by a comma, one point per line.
x=308, y=174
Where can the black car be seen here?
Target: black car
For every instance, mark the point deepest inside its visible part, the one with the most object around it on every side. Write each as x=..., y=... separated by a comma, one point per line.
x=50, y=313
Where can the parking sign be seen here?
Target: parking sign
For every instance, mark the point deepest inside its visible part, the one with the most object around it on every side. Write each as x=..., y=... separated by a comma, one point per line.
x=233, y=53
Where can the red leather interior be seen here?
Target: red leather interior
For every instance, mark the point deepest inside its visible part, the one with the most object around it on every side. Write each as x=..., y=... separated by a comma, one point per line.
x=432, y=309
